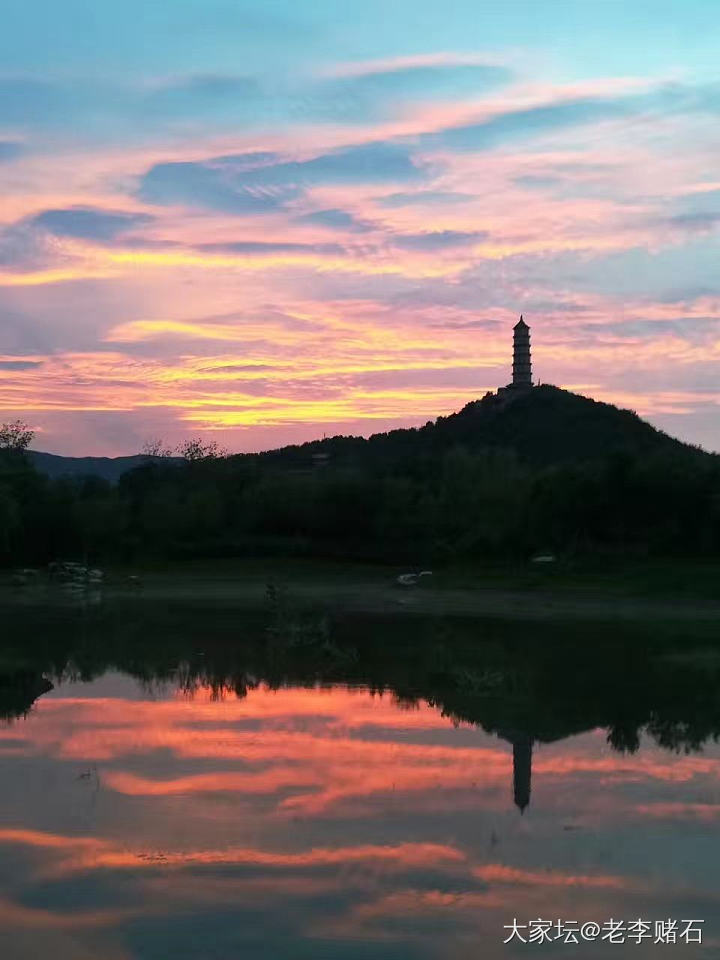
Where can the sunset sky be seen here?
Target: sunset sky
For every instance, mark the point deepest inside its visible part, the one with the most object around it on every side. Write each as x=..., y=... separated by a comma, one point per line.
x=264, y=221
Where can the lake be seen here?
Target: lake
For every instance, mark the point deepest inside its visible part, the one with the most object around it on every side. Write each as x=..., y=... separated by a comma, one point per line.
x=216, y=783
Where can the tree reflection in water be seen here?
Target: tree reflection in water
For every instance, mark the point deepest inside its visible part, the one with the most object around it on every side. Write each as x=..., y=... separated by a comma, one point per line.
x=526, y=685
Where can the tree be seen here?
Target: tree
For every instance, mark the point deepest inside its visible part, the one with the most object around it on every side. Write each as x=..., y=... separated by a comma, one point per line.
x=21, y=488
x=195, y=448
x=156, y=448
x=15, y=436
x=192, y=449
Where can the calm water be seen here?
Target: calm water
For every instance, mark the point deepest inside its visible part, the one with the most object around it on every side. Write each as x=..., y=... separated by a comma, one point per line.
x=192, y=789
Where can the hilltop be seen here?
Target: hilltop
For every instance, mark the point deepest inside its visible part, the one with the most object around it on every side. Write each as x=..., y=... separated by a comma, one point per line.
x=543, y=426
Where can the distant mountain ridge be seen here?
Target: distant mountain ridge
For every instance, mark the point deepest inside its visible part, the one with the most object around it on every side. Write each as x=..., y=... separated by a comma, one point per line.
x=107, y=468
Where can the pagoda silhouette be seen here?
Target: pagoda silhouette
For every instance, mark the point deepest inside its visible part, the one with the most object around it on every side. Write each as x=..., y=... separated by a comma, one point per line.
x=521, y=382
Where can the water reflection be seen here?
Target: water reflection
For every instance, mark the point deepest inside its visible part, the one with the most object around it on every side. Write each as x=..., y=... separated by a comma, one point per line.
x=198, y=786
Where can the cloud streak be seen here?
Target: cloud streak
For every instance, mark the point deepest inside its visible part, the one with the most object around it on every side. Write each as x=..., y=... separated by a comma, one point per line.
x=239, y=184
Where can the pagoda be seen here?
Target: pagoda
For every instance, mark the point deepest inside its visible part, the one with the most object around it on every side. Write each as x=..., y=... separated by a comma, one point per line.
x=522, y=368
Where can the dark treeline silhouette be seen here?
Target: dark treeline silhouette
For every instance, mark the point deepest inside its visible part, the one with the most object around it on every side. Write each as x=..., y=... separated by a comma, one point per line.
x=550, y=471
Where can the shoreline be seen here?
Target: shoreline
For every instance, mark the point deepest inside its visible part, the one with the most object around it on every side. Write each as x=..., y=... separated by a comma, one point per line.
x=373, y=594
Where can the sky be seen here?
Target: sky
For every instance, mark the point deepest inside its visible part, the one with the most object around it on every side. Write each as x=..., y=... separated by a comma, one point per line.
x=265, y=222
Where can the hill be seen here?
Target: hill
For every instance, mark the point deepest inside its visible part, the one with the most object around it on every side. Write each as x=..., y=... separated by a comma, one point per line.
x=544, y=426
x=548, y=425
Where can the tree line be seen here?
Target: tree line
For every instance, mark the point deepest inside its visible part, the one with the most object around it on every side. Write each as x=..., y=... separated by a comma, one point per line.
x=418, y=506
